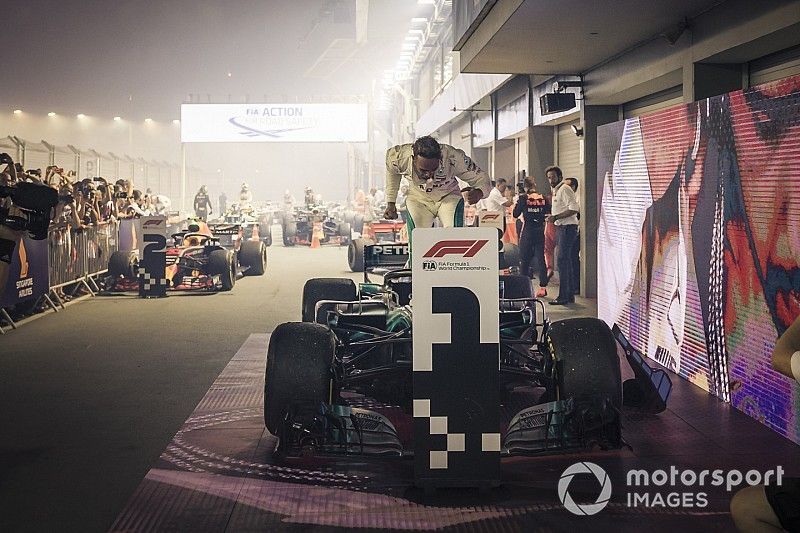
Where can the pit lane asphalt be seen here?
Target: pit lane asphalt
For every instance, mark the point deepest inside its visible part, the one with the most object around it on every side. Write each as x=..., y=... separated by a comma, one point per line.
x=91, y=396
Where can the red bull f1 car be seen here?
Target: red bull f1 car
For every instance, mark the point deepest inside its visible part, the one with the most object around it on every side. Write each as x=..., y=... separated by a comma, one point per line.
x=204, y=256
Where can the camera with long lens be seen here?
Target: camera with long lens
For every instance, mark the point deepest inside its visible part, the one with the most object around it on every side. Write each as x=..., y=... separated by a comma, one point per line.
x=34, y=205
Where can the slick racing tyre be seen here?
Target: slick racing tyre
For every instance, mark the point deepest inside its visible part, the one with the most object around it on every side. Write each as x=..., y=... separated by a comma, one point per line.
x=265, y=234
x=123, y=264
x=346, y=231
x=289, y=233
x=223, y=263
x=355, y=254
x=253, y=255
x=298, y=365
x=587, y=363
x=515, y=286
x=358, y=223
x=587, y=370
x=317, y=289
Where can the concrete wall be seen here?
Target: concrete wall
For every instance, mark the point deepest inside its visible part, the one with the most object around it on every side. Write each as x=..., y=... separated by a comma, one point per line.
x=503, y=162
x=732, y=33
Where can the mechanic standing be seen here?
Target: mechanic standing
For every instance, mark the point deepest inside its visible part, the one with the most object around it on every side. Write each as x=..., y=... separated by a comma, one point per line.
x=565, y=209
x=533, y=207
x=434, y=191
x=245, y=197
x=223, y=203
x=202, y=203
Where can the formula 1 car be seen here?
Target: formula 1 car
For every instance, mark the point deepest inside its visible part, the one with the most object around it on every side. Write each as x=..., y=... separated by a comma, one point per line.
x=202, y=256
x=376, y=232
x=339, y=382
x=255, y=226
x=298, y=227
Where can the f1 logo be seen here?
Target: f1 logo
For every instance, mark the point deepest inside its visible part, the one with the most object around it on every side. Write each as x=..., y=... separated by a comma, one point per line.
x=490, y=216
x=154, y=222
x=464, y=248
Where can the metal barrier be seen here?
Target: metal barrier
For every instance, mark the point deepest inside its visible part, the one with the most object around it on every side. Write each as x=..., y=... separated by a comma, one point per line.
x=101, y=243
x=77, y=256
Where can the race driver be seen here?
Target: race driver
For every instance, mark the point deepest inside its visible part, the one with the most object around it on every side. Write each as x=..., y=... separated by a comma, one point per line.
x=432, y=170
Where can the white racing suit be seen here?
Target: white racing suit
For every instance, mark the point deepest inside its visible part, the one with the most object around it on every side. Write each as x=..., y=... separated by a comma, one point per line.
x=439, y=196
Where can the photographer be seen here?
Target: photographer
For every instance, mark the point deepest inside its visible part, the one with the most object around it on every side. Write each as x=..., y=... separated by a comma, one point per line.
x=26, y=204
x=774, y=507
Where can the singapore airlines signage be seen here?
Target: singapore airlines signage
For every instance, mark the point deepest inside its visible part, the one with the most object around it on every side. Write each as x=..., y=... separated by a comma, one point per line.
x=273, y=123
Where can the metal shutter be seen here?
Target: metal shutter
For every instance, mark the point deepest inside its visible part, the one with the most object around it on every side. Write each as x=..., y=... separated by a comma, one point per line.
x=569, y=151
x=775, y=66
x=653, y=102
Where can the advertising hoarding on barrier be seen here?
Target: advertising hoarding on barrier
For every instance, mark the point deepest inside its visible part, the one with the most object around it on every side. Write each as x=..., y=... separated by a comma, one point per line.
x=153, y=257
x=456, y=364
x=273, y=123
x=28, y=277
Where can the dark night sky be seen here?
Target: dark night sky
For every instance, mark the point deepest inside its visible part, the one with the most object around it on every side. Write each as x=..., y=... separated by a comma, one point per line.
x=89, y=55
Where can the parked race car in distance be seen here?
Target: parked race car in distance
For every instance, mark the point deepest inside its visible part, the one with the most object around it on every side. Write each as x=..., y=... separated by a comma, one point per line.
x=298, y=227
x=255, y=225
x=203, y=256
x=375, y=232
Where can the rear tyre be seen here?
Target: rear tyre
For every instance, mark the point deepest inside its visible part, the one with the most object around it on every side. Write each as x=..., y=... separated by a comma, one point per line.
x=516, y=286
x=346, y=231
x=123, y=264
x=298, y=365
x=289, y=233
x=265, y=233
x=358, y=223
x=317, y=289
x=253, y=254
x=355, y=255
x=223, y=264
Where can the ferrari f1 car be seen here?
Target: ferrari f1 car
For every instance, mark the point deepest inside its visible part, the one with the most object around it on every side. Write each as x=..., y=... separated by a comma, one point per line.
x=340, y=381
x=202, y=256
x=298, y=227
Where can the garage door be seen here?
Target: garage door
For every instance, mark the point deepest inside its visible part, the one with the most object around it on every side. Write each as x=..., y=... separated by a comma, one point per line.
x=569, y=151
x=775, y=66
x=653, y=102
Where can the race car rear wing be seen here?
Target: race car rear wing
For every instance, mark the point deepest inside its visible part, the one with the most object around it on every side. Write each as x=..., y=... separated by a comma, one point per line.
x=386, y=256
x=225, y=228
